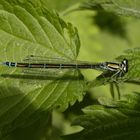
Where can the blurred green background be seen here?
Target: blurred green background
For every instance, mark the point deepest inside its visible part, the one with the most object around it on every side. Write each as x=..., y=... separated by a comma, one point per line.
x=104, y=36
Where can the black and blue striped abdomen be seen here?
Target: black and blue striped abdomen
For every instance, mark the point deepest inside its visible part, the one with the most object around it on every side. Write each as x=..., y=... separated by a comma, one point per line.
x=50, y=66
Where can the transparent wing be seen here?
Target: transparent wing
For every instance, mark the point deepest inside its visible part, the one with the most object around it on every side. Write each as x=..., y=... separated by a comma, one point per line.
x=49, y=72
x=44, y=59
x=44, y=72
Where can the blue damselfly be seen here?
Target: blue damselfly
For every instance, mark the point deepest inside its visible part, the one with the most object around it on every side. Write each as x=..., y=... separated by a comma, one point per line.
x=33, y=62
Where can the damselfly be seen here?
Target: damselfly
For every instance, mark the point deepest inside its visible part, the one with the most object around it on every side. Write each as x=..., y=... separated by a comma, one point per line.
x=117, y=68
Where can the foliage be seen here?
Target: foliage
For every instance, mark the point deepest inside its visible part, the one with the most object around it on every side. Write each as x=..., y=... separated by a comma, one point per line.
x=61, y=5
x=133, y=75
x=29, y=29
x=120, y=7
x=111, y=120
x=28, y=97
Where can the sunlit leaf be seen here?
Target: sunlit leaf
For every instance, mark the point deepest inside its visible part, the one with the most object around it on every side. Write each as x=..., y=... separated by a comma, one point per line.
x=28, y=28
x=61, y=5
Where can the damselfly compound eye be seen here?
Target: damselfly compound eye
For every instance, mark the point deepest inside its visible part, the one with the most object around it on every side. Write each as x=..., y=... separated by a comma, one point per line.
x=125, y=65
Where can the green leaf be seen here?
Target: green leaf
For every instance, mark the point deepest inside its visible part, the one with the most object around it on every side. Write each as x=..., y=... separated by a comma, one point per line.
x=28, y=28
x=120, y=7
x=119, y=120
x=61, y=5
x=37, y=131
x=133, y=74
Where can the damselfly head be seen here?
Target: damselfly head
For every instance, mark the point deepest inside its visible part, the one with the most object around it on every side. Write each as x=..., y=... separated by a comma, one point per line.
x=125, y=65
